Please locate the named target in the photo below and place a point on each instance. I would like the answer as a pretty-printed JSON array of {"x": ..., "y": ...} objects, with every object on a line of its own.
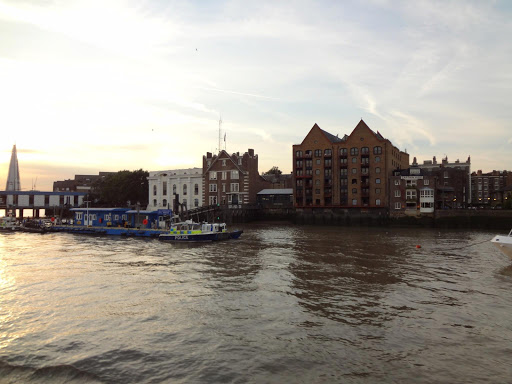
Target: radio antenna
[{"x": 220, "y": 125}]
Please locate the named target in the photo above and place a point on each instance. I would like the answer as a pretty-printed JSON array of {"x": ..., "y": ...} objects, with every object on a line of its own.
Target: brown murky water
[{"x": 283, "y": 304}]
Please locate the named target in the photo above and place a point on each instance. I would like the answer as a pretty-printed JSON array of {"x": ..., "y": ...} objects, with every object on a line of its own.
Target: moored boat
[
  {"x": 9, "y": 224},
  {"x": 34, "y": 227},
  {"x": 199, "y": 232},
  {"x": 504, "y": 243}
]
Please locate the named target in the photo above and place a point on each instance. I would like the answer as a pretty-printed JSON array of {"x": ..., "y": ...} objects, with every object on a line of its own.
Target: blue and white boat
[
  {"x": 199, "y": 232},
  {"x": 504, "y": 243}
]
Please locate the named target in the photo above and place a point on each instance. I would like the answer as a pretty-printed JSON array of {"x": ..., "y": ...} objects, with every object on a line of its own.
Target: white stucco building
[{"x": 184, "y": 184}]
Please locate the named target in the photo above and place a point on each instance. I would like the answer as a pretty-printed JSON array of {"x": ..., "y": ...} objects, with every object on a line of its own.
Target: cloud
[
  {"x": 29, "y": 151},
  {"x": 417, "y": 72},
  {"x": 238, "y": 93}
]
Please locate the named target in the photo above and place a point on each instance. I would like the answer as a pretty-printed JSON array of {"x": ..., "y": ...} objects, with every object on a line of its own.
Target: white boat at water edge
[
  {"x": 9, "y": 223},
  {"x": 504, "y": 243}
]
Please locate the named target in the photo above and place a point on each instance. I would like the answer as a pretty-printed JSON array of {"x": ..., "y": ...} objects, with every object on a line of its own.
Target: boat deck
[{"x": 112, "y": 231}]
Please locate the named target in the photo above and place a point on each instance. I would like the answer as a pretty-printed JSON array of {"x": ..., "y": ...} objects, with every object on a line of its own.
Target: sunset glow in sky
[{"x": 89, "y": 86}]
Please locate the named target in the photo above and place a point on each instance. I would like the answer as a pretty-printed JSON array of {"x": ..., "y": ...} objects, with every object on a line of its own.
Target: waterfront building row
[
  {"x": 418, "y": 191},
  {"x": 224, "y": 179}
]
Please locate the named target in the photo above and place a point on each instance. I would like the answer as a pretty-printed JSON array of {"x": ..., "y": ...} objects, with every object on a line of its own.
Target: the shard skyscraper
[{"x": 13, "y": 179}]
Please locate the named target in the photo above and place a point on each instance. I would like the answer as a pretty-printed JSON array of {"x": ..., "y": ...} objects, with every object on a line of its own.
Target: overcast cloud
[{"x": 142, "y": 84}]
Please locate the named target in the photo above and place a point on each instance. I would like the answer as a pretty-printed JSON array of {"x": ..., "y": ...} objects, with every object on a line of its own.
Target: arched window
[
  {"x": 164, "y": 203},
  {"x": 154, "y": 203}
]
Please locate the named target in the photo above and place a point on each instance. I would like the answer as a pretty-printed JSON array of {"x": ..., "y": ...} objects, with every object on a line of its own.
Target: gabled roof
[
  {"x": 362, "y": 125},
  {"x": 329, "y": 136},
  {"x": 218, "y": 157}
]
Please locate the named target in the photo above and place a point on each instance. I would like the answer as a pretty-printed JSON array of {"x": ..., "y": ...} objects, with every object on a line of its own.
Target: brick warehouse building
[
  {"x": 232, "y": 180},
  {"x": 352, "y": 171}
]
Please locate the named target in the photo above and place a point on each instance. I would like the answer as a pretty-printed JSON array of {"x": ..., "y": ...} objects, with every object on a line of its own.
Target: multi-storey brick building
[
  {"x": 352, "y": 171},
  {"x": 231, "y": 180},
  {"x": 489, "y": 188},
  {"x": 445, "y": 165},
  {"x": 419, "y": 190},
  {"x": 412, "y": 191}
]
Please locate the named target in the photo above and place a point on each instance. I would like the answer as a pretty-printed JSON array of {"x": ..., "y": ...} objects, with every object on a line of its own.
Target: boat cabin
[
  {"x": 122, "y": 217},
  {"x": 188, "y": 227}
]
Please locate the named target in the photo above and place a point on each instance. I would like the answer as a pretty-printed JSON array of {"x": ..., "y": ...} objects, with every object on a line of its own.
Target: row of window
[
  {"x": 174, "y": 189},
  {"x": 224, "y": 162},
  {"x": 343, "y": 151},
  {"x": 235, "y": 187},
  {"x": 411, "y": 193},
  {"x": 328, "y": 162},
  {"x": 224, "y": 175},
  {"x": 398, "y": 205},
  {"x": 107, "y": 217},
  {"x": 231, "y": 199},
  {"x": 412, "y": 182}
]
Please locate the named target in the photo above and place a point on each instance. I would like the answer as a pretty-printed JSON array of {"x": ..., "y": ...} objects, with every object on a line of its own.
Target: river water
[{"x": 284, "y": 304}]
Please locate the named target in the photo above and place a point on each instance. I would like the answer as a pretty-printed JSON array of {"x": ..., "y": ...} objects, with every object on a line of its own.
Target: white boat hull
[{"x": 504, "y": 244}]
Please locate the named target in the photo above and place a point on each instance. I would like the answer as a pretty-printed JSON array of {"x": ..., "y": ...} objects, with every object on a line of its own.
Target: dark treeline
[{"x": 121, "y": 189}]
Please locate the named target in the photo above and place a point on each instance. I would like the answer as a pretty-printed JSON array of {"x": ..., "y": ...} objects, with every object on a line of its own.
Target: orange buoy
[{"x": 418, "y": 246}]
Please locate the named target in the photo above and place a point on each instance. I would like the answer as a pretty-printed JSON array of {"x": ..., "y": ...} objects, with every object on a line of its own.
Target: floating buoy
[{"x": 418, "y": 246}]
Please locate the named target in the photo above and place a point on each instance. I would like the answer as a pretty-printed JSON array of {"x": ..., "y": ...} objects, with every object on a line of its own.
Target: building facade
[
  {"x": 352, "y": 171},
  {"x": 275, "y": 198},
  {"x": 420, "y": 191},
  {"x": 81, "y": 183},
  {"x": 445, "y": 165},
  {"x": 412, "y": 192},
  {"x": 231, "y": 180},
  {"x": 489, "y": 189},
  {"x": 184, "y": 186}
]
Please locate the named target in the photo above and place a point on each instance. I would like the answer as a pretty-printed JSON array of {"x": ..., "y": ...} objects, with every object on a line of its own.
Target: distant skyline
[{"x": 89, "y": 86}]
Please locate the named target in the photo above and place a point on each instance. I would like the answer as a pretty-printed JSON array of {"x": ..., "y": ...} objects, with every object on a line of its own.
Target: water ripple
[{"x": 283, "y": 304}]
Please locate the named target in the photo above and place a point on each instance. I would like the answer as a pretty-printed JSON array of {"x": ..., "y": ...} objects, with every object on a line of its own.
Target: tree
[
  {"x": 273, "y": 171},
  {"x": 121, "y": 189}
]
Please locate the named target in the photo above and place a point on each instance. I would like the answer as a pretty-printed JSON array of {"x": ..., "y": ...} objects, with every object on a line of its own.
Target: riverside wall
[{"x": 457, "y": 219}]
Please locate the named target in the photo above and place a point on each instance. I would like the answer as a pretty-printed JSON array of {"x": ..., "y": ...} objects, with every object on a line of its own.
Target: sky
[{"x": 89, "y": 86}]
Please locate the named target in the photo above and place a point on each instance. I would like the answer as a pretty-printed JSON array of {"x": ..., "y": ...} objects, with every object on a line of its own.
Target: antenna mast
[{"x": 220, "y": 124}]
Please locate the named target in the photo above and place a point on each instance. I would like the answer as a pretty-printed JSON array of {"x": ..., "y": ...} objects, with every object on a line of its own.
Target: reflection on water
[{"x": 283, "y": 304}]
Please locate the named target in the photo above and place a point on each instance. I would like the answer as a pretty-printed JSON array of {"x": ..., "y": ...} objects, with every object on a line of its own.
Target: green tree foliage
[
  {"x": 273, "y": 171},
  {"x": 121, "y": 189}
]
